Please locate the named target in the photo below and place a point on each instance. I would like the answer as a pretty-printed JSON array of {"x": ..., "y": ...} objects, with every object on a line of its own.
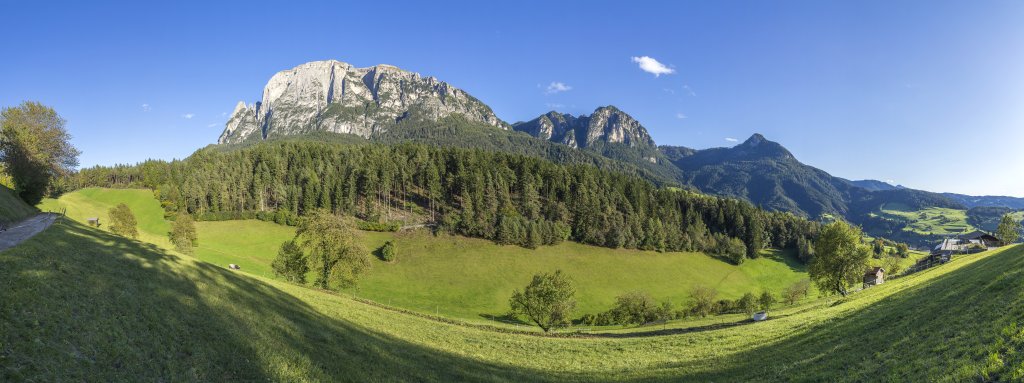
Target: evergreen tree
[
  {"x": 1008, "y": 230},
  {"x": 290, "y": 263}
]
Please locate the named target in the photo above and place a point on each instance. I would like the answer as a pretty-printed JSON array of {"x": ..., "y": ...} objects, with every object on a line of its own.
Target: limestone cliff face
[
  {"x": 334, "y": 96},
  {"x": 606, "y": 124}
]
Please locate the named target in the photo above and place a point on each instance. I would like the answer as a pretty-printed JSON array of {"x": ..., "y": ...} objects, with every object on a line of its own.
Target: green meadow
[
  {"x": 465, "y": 278},
  {"x": 80, "y": 304},
  {"x": 933, "y": 220}
]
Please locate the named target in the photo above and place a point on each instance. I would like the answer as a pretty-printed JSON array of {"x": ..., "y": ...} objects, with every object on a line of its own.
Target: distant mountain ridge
[
  {"x": 875, "y": 185},
  {"x": 987, "y": 201},
  {"x": 384, "y": 103}
]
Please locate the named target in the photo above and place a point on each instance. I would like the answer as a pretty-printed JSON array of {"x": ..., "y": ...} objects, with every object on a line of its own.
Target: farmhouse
[
  {"x": 963, "y": 244},
  {"x": 874, "y": 276},
  {"x": 981, "y": 238}
]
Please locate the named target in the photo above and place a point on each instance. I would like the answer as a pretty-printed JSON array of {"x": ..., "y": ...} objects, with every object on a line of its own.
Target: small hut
[
  {"x": 94, "y": 221},
  {"x": 874, "y": 276}
]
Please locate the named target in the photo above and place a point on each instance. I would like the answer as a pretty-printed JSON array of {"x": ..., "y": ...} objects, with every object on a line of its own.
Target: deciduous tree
[
  {"x": 122, "y": 221},
  {"x": 332, "y": 253},
  {"x": 839, "y": 260},
  {"x": 547, "y": 301},
  {"x": 35, "y": 148},
  {"x": 183, "y": 233}
]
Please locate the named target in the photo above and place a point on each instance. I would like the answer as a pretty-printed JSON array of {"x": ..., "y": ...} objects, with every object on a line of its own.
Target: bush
[
  {"x": 796, "y": 291},
  {"x": 766, "y": 301},
  {"x": 702, "y": 300},
  {"x": 634, "y": 308},
  {"x": 748, "y": 303},
  {"x": 387, "y": 252},
  {"x": 378, "y": 226}
]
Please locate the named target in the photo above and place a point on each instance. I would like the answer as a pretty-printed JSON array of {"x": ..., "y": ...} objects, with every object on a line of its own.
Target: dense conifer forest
[{"x": 509, "y": 198}]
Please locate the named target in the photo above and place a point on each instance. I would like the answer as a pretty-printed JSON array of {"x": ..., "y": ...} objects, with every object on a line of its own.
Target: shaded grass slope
[{"x": 12, "y": 208}]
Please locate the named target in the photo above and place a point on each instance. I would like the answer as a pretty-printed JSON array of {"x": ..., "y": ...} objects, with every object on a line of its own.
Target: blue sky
[{"x": 910, "y": 91}]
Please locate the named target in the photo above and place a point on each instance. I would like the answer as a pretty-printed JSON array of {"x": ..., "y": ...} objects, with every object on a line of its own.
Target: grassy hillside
[
  {"x": 933, "y": 220},
  {"x": 97, "y": 202},
  {"x": 79, "y": 304},
  {"x": 462, "y": 277},
  {"x": 12, "y": 208}
]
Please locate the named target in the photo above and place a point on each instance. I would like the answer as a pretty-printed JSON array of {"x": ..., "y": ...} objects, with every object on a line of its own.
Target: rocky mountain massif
[
  {"x": 333, "y": 96},
  {"x": 607, "y": 124}
]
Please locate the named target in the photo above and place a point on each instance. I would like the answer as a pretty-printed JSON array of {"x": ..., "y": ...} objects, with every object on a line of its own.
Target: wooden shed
[{"x": 874, "y": 276}]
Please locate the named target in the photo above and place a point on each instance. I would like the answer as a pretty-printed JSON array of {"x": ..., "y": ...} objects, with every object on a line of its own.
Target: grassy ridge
[
  {"x": 462, "y": 277},
  {"x": 12, "y": 208},
  {"x": 79, "y": 304}
]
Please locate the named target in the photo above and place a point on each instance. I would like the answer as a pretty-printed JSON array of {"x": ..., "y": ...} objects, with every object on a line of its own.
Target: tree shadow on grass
[{"x": 79, "y": 304}]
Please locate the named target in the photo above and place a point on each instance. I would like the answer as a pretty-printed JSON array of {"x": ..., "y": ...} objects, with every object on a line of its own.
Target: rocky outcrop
[
  {"x": 334, "y": 96},
  {"x": 607, "y": 124}
]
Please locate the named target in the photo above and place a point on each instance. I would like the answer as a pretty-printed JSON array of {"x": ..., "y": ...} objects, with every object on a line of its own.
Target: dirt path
[{"x": 25, "y": 229}]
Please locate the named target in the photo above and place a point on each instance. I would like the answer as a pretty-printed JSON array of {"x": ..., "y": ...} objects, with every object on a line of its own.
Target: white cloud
[
  {"x": 188, "y": 116},
  {"x": 890, "y": 182},
  {"x": 557, "y": 87},
  {"x": 555, "y": 106},
  {"x": 680, "y": 116},
  {"x": 689, "y": 91},
  {"x": 146, "y": 108},
  {"x": 214, "y": 125},
  {"x": 650, "y": 65},
  {"x": 730, "y": 139}
]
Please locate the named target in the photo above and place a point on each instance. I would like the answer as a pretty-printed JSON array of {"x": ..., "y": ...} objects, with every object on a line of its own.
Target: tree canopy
[
  {"x": 332, "y": 252},
  {"x": 183, "y": 233},
  {"x": 1008, "y": 230},
  {"x": 35, "y": 148},
  {"x": 839, "y": 259},
  {"x": 547, "y": 301},
  {"x": 122, "y": 221}
]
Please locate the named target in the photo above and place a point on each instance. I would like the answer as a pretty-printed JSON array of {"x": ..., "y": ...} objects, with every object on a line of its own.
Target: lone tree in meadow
[
  {"x": 547, "y": 301},
  {"x": 332, "y": 253},
  {"x": 122, "y": 221},
  {"x": 839, "y": 258},
  {"x": 183, "y": 233},
  {"x": 35, "y": 148},
  {"x": 1008, "y": 230},
  {"x": 291, "y": 263}
]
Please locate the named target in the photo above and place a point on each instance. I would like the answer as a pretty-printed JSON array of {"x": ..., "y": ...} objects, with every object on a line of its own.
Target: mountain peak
[
  {"x": 755, "y": 140},
  {"x": 759, "y": 147},
  {"x": 606, "y": 124}
]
